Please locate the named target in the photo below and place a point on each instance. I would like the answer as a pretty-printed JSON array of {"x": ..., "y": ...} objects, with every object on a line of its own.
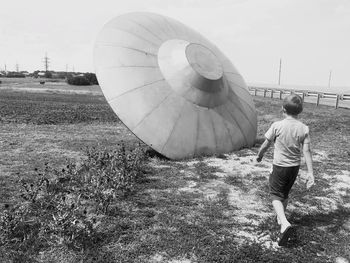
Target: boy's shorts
[{"x": 281, "y": 181}]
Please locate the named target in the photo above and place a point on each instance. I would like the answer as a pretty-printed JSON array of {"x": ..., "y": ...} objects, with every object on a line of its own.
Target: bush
[
  {"x": 61, "y": 75},
  {"x": 87, "y": 79},
  {"x": 91, "y": 77},
  {"x": 48, "y": 75},
  {"x": 78, "y": 81},
  {"x": 64, "y": 208}
]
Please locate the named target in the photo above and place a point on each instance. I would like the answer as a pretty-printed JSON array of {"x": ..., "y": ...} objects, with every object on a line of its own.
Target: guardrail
[{"x": 256, "y": 91}]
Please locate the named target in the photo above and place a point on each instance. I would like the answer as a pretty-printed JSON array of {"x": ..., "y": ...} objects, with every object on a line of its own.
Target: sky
[{"x": 312, "y": 37}]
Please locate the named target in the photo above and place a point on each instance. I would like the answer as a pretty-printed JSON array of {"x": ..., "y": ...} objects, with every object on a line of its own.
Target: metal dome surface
[{"x": 173, "y": 88}]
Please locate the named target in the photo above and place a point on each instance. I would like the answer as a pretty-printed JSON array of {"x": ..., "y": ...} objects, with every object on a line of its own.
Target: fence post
[
  {"x": 271, "y": 93},
  {"x": 280, "y": 94},
  {"x": 318, "y": 99},
  {"x": 255, "y": 91},
  {"x": 337, "y": 102},
  {"x": 303, "y": 97},
  {"x": 264, "y": 93}
]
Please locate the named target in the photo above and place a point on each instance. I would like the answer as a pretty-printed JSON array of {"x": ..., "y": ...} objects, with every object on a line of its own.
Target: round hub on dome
[
  {"x": 193, "y": 71},
  {"x": 203, "y": 61}
]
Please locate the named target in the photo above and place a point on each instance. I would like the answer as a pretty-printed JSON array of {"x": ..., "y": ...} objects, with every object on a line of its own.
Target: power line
[{"x": 46, "y": 62}]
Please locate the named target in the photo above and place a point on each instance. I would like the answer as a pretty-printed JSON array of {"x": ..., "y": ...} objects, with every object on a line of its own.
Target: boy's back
[{"x": 289, "y": 135}]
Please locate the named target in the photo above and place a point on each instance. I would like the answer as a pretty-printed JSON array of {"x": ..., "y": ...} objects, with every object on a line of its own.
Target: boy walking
[{"x": 290, "y": 137}]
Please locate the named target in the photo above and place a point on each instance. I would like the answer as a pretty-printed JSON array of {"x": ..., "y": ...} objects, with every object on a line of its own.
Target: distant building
[
  {"x": 25, "y": 73},
  {"x": 41, "y": 74}
]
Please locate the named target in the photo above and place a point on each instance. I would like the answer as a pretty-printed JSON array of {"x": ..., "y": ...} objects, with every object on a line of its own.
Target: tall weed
[{"x": 65, "y": 207}]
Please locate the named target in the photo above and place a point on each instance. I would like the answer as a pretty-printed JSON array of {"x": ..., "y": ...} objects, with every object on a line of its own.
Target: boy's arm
[
  {"x": 263, "y": 149},
  {"x": 308, "y": 160},
  {"x": 269, "y": 137}
]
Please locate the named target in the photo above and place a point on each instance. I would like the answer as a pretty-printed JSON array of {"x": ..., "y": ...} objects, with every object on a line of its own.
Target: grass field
[{"x": 213, "y": 209}]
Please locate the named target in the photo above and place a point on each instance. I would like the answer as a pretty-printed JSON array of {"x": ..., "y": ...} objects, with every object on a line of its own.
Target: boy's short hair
[{"x": 293, "y": 104}]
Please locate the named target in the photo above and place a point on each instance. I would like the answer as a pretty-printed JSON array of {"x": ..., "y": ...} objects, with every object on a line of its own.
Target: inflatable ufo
[{"x": 173, "y": 88}]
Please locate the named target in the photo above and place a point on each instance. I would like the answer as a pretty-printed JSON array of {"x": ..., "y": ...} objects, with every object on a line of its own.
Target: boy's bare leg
[
  {"x": 285, "y": 203},
  {"x": 279, "y": 209}
]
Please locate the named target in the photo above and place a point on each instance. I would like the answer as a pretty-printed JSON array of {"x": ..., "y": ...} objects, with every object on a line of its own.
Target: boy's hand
[
  {"x": 310, "y": 180},
  {"x": 258, "y": 159}
]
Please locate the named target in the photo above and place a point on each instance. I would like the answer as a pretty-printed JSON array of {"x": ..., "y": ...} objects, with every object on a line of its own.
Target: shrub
[
  {"x": 86, "y": 79},
  {"x": 91, "y": 77},
  {"x": 78, "y": 81},
  {"x": 61, "y": 75},
  {"x": 48, "y": 75}
]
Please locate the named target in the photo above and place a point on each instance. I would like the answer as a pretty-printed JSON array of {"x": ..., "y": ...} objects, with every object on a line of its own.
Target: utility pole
[
  {"x": 46, "y": 62},
  {"x": 66, "y": 71},
  {"x": 329, "y": 79},
  {"x": 279, "y": 73},
  {"x": 5, "y": 69},
  {"x": 17, "y": 67}
]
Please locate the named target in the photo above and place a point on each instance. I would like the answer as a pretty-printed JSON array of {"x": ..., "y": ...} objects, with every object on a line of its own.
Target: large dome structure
[{"x": 172, "y": 88}]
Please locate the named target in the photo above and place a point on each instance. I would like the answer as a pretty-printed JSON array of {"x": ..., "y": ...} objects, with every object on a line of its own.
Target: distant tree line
[
  {"x": 49, "y": 74},
  {"x": 72, "y": 78},
  {"x": 14, "y": 74}
]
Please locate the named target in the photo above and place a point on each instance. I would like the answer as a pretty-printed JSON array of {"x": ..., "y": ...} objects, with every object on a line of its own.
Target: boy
[{"x": 289, "y": 137}]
